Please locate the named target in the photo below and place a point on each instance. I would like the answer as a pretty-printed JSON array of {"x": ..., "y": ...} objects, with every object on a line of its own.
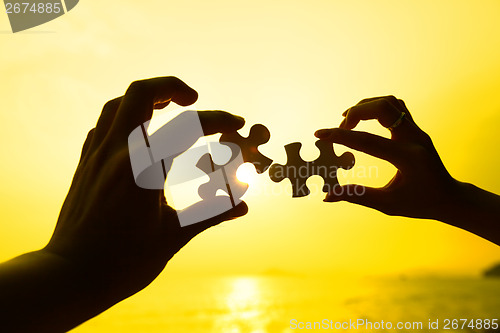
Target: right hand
[{"x": 421, "y": 188}]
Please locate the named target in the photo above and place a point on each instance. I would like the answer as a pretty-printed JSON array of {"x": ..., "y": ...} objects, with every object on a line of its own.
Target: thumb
[
  {"x": 357, "y": 194},
  {"x": 196, "y": 228}
]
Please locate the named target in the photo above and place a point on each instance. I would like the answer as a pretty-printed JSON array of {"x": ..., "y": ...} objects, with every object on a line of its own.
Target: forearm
[
  {"x": 475, "y": 210},
  {"x": 43, "y": 292}
]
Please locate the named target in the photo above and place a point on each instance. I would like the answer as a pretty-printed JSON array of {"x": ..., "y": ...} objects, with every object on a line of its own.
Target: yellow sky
[{"x": 291, "y": 65}]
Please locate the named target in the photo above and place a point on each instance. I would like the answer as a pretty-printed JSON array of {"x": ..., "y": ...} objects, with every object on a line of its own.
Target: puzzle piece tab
[
  {"x": 258, "y": 135},
  {"x": 222, "y": 177},
  {"x": 298, "y": 170}
]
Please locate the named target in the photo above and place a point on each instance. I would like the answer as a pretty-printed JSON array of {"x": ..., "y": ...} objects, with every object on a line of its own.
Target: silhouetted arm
[
  {"x": 112, "y": 237},
  {"x": 422, "y": 187},
  {"x": 473, "y": 209},
  {"x": 43, "y": 292}
]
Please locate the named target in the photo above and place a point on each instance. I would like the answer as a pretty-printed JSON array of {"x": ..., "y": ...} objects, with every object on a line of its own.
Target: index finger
[
  {"x": 368, "y": 143},
  {"x": 141, "y": 97},
  {"x": 379, "y": 108},
  {"x": 219, "y": 122}
]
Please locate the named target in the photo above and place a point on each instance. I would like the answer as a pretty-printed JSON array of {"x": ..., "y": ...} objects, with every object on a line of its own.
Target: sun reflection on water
[
  {"x": 245, "y": 307},
  {"x": 244, "y": 296}
]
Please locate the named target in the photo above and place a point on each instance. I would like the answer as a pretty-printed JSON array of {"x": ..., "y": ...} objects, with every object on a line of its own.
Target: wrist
[
  {"x": 42, "y": 285},
  {"x": 85, "y": 279},
  {"x": 105, "y": 280},
  {"x": 473, "y": 209},
  {"x": 456, "y": 206}
]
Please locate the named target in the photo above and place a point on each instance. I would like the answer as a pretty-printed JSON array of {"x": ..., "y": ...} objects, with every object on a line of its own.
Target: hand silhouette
[
  {"x": 422, "y": 187},
  {"x": 112, "y": 237}
]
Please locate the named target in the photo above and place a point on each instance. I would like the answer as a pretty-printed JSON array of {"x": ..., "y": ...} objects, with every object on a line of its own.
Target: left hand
[{"x": 120, "y": 235}]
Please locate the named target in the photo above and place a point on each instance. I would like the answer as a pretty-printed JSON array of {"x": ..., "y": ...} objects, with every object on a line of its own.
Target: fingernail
[
  {"x": 345, "y": 112},
  {"x": 322, "y": 133}
]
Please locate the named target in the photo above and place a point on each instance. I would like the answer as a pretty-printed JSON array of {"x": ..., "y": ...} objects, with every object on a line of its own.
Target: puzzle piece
[
  {"x": 222, "y": 177},
  {"x": 298, "y": 170},
  {"x": 258, "y": 135}
]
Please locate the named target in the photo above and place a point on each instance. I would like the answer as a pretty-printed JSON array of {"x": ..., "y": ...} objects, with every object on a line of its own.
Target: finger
[
  {"x": 366, "y": 100},
  {"x": 371, "y": 144},
  {"x": 160, "y": 106},
  {"x": 390, "y": 98},
  {"x": 86, "y": 145},
  {"x": 397, "y": 103},
  {"x": 219, "y": 122},
  {"x": 405, "y": 109},
  {"x": 342, "y": 124},
  {"x": 142, "y": 96},
  {"x": 106, "y": 118},
  {"x": 381, "y": 109},
  {"x": 179, "y": 134},
  {"x": 386, "y": 114},
  {"x": 358, "y": 194},
  {"x": 237, "y": 211}
]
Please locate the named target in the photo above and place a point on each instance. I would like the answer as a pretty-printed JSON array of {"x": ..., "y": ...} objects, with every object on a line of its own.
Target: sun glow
[
  {"x": 243, "y": 298},
  {"x": 294, "y": 67},
  {"x": 246, "y": 173}
]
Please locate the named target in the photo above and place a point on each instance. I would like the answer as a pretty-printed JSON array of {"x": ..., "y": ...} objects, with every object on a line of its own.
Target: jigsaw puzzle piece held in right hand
[{"x": 298, "y": 170}]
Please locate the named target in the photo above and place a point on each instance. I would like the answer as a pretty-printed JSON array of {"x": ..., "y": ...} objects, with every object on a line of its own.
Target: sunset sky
[{"x": 294, "y": 66}]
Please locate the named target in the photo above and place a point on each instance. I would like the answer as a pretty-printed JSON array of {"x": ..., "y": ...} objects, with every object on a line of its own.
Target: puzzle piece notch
[
  {"x": 258, "y": 135},
  {"x": 222, "y": 177},
  {"x": 298, "y": 170}
]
